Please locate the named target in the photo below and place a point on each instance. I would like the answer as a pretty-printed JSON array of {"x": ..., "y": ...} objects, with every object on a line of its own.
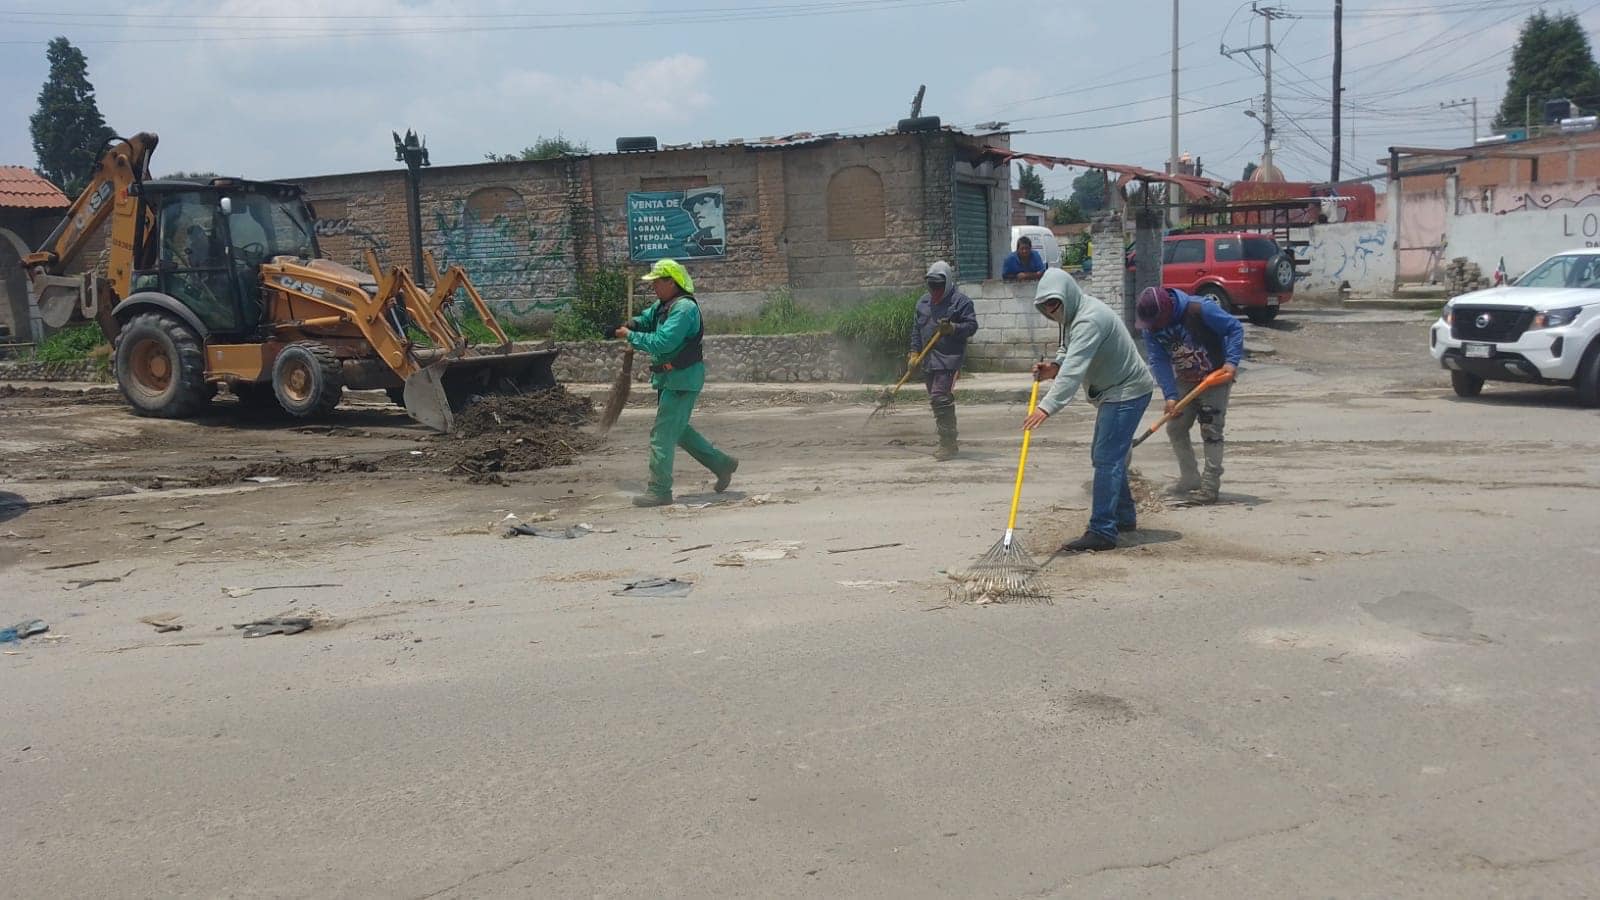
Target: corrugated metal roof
[{"x": 23, "y": 188}]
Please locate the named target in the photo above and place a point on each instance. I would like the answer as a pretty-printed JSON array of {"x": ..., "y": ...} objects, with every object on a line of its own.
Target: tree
[
  {"x": 1089, "y": 191},
  {"x": 1552, "y": 60},
  {"x": 1032, "y": 185},
  {"x": 69, "y": 134},
  {"x": 543, "y": 148},
  {"x": 1066, "y": 212}
]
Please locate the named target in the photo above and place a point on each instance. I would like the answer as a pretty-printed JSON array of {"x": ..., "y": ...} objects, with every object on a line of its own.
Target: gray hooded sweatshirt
[
  {"x": 951, "y": 350},
  {"x": 1096, "y": 349}
]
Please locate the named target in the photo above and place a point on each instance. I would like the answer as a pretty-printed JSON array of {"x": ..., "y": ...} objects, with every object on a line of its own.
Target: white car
[{"x": 1543, "y": 328}]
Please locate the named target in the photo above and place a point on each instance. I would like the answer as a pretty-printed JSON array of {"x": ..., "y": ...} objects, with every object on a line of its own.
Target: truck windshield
[
  {"x": 266, "y": 226},
  {"x": 1570, "y": 271}
]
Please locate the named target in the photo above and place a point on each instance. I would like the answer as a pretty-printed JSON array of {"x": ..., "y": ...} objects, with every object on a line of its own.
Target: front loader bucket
[{"x": 443, "y": 388}]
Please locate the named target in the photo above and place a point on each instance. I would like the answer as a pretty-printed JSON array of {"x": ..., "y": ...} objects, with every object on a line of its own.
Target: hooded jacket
[
  {"x": 951, "y": 350},
  {"x": 1096, "y": 350},
  {"x": 1178, "y": 353}
]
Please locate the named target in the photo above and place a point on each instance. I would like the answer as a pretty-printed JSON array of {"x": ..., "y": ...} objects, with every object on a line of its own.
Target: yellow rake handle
[
  {"x": 914, "y": 363},
  {"x": 1022, "y": 461}
]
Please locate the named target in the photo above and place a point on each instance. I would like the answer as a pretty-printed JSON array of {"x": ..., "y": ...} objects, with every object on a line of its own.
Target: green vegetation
[
  {"x": 879, "y": 328},
  {"x": 779, "y": 314},
  {"x": 602, "y": 301},
  {"x": 1552, "y": 59},
  {"x": 71, "y": 344},
  {"x": 543, "y": 148},
  {"x": 69, "y": 133}
]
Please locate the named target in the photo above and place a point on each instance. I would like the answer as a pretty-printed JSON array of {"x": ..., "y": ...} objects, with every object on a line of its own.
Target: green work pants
[{"x": 672, "y": 430}]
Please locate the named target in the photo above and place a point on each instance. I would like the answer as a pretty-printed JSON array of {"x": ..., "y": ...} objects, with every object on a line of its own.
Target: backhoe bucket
[{"x": 443, "y": 388}]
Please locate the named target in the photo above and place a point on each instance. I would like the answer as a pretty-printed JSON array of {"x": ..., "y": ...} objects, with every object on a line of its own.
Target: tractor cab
[{"x": 207, "y": 242}]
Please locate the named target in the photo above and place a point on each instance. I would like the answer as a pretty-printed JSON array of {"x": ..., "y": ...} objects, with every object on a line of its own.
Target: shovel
[{"x": 1216, "y": 378}]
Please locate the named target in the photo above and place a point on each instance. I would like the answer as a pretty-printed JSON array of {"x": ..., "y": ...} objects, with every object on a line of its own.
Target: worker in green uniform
[{"x": 671, "y": 333}]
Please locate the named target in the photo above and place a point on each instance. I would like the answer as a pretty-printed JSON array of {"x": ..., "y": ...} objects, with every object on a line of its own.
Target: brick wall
[{"x": 1105, "y": 281}]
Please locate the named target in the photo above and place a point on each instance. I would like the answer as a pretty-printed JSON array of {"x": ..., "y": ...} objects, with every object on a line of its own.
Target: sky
[{"x": 286, "y": 88}]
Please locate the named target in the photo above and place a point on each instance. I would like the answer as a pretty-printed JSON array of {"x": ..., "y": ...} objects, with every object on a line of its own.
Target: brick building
[
  {"x": 831, "y": 217},
  {"x": 30, "y": 208}
]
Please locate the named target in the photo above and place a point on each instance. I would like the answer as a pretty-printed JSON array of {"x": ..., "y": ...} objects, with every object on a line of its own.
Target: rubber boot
[{"x": 944, "y": 416}]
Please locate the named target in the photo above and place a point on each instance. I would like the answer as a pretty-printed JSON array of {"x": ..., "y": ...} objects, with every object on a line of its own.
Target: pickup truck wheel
[
  {"x": 307, "y": 380},
  {"x": 161, "y": 368},
  {"x": 1466, "y": 384},
  {"x": 1221, "y": 296},
  {"x": 1588, "y": 380}
]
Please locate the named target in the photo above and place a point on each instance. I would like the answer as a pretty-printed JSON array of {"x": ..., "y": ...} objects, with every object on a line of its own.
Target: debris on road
[
  {"x": 78, "y": 584},
  {"x": 655, "y": 587},
  {"x": 762, "y": 553},
  {"x": 71, "y": 565},
  {"x": 237, "y": 592},
  {"x": 163, "y": 622},
  {"x": 559, "y": 534},
  {"x": 872, "y": 547},
  {"x": 869, "y": 584},
  {"x": 23, "y": 630},
  {"x": 276, "y": 625}
]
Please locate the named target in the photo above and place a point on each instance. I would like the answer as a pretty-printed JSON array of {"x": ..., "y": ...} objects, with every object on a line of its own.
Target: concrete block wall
[{"x": 1012, "y": 335}]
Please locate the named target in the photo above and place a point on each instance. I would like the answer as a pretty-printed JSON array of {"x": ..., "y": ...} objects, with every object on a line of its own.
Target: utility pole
[
  {"x": 1172, "y": 156},
  {"x": 1457, "y": 104},
  {"x": 413, "y": 151},
  {"x": 1338, "y": 77},
  {"x": 1267, "y": 13}
]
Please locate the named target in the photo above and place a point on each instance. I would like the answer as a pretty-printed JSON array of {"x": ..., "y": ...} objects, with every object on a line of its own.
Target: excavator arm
[{"x": 111, "y": 192}]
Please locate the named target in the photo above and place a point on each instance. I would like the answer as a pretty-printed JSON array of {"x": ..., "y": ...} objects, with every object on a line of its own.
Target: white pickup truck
[{"x": 1543, "y": 328}]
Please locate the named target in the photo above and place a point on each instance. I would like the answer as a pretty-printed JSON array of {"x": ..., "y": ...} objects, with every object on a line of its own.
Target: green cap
[{"x": 671, "y": 268}]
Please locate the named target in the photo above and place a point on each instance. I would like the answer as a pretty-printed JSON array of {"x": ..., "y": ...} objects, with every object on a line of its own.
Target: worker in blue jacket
[{"x": 1188, "y": 338}]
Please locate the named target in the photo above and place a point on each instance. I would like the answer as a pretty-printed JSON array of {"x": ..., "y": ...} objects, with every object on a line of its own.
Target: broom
[
  {"x": 624, "y": 383},
  {"x": 1006, "y": 572}
]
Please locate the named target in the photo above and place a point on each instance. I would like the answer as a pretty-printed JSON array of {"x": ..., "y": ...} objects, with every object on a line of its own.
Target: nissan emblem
[{"x": 1483, "y": 320}]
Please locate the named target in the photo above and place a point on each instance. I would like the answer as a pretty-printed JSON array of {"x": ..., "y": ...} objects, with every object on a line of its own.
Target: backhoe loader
[{"x": 221, "y": 282}]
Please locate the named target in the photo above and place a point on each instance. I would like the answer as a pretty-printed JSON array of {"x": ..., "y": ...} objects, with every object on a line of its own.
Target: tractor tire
[
  {"x": 1280, "y": 274},
  {"x": 307, "y": 380},
  {"x": 161, "y": 367},
  {"x": 1588, "y": 380},
  {"x": 1261, "y": 315},
  {"x": 1221, "y": 296},
  {"x": 1466, "y": 384}
]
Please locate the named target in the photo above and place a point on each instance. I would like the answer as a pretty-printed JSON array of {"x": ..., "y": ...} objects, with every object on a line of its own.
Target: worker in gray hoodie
[
  {"x": 1099, "y": 354},
  {"x": 946, "y": 312}
]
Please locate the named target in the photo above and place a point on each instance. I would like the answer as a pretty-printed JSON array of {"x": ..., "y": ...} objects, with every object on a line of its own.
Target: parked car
[
  {"x": 1246, "y": 272},
  {"x": 1543, "y": 328}
]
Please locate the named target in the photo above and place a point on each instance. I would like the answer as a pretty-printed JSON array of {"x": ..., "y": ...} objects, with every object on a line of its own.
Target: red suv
[{"x": 1247, "y": 273}]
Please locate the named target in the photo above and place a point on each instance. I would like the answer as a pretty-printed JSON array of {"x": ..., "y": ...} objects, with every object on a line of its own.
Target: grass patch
[
  {"x": 71, "y": 344},
  {"x": 778, "y": 314},
  {"x": 879, "y": 329}
]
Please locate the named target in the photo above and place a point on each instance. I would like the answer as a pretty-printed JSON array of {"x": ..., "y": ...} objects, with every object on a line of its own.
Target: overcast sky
[{"x": 295, "y": 87}]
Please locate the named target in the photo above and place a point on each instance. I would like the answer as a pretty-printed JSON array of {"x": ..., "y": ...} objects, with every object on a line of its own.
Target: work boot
[
  {"x": 1090, "y": 542},
  {"x": 944, "y": 417},
  {"x": 726, "y": 478},
  {"x": 648, "y": 499},
  {"x": 1205, "y": 495},
  {"x": 1181, "y": 489}
]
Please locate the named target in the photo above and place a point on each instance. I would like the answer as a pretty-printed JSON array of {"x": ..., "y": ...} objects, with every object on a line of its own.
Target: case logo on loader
[{"x": 304, "y": 287}]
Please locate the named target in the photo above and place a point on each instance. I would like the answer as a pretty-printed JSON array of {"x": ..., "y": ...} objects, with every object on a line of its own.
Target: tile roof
[{"x": 22, "y": 188}]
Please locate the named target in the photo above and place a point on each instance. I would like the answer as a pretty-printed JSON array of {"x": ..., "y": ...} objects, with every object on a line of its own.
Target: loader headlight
[{"x": 1556, "y": 318}]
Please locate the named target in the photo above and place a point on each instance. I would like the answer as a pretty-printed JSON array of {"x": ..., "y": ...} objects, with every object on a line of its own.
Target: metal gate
[{"x": 972, "y": 231}]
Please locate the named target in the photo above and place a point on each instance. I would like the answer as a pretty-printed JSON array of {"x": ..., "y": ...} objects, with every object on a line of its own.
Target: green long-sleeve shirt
[{"x": 663, "y": 339}]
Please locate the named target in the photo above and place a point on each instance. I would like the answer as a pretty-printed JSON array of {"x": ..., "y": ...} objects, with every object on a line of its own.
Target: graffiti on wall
[
  {"x": 1567, "y": 195},
  {"x": 508, "y": 257},
  {"x": 360, "y": 239},
  {"x": 1357, "y": 254}
]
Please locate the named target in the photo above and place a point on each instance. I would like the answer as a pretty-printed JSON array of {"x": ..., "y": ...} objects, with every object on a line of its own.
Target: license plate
[
  {"x": 1478, "y": 351},
  {"x": 1272, "y": 301}
]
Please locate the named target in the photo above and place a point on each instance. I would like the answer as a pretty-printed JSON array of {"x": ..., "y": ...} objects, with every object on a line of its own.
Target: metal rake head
[{"x": 1005, "y": 573}]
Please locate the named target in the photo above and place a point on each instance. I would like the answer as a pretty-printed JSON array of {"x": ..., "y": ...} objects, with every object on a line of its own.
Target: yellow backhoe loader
[{"x": 221, "y": 282}]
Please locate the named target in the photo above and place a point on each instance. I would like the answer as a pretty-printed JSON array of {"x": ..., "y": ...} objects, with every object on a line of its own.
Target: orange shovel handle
[{"x": 1219, "y": 377}]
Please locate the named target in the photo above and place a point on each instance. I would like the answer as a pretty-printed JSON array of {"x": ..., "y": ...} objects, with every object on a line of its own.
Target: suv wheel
[
  {"x": 1588, "y": 380},
  {"x": 1221, "y": 296},
  {"x": 1466, "y": 384},
  {"x": 1280, "y": 273}
]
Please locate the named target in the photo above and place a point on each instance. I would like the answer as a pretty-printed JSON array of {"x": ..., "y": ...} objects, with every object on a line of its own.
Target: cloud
[{"x": 660, "y": 91}]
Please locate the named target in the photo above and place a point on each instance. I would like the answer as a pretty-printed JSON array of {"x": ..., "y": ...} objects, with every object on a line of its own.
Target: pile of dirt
[
  {"x": 495, "y": 435},
  {"x": 555, "y": 407},
  {"x": 90, "y": 397},
  {"x": 288, "y": 470}
]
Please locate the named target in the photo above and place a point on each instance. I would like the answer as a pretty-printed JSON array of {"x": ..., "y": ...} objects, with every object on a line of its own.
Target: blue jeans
[{"x": 1113, "y": 506}]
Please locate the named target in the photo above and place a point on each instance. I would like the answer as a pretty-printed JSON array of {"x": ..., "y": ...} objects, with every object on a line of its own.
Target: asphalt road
[{"x": 1371, "y": 672}]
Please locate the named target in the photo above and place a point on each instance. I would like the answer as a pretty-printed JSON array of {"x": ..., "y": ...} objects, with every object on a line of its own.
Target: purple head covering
[{"x": 1154, "y": 309}]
